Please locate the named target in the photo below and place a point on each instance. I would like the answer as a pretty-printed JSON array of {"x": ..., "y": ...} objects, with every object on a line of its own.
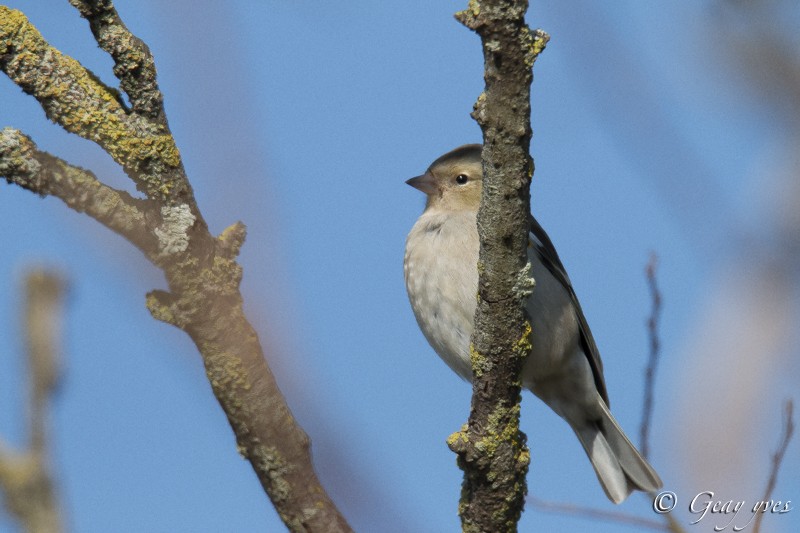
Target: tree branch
[
  {"x": 78, "y": 101},
  {"x": 25, "y": 477},
  {"x": 491, "y": 449},
  {"x": 133, "y": 63},
  {"x": 652, "y": 361},
  {"x": 777, "y": 460},
  {"x": 201, "y": 271},
  {"x": 21, "y": 163}
]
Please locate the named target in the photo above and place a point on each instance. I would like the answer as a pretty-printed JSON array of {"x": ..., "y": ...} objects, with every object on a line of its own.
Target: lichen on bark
[
  {"x": 202, "y": 274},
  {"x": 491, "y": 449}
]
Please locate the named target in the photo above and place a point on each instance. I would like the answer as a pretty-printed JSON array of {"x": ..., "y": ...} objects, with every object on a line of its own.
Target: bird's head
[{"x": 453, "y": 182}]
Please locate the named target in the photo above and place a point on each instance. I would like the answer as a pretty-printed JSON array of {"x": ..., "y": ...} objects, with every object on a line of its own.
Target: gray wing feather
[{"x": 552, "y": 262}]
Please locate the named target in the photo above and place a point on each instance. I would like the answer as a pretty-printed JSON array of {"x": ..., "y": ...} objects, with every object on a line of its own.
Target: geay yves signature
[{"x": 735, "y": 514}]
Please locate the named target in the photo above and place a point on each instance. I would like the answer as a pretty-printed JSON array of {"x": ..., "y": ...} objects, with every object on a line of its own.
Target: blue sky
[{"x": 304, "y": 120}]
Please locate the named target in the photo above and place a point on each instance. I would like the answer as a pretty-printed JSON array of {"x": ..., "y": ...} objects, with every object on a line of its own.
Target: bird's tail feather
[
  {"x": 618, "y": 465},
  {"x": 606, "y": 466},
  {"x": 636, "y": 467}
]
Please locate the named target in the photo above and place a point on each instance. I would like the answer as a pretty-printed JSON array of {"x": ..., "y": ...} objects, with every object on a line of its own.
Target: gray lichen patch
[
  {"x": 15, "y": 157},
  {"x": 172, "y": 233}
]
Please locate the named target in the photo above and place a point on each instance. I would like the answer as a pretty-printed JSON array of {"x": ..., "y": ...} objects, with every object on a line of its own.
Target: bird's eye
[{"x": 462, "y": 179}]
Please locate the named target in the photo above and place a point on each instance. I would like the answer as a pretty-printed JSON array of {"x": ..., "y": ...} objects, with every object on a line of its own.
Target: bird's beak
[{"x": 425, "y": 183}]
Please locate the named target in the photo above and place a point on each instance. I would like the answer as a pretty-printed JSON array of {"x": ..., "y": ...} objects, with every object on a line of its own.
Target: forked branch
[{"x": 167, "y": 226}]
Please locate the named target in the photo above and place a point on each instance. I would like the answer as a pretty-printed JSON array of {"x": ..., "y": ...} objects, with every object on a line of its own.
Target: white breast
[{"x": 442, "y": 282}]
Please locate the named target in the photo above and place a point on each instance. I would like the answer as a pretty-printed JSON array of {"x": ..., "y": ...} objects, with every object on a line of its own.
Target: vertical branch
[
  {"x": 650, "y": 374},
  {"x": 25, "y": 477},
  {"x": 652, "y": 362},
  {"x": 491, "y": 449},
  {"x": 44, "y": 293}
]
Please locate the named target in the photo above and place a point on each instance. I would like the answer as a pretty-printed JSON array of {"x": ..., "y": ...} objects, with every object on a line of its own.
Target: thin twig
[
  {"x": 777, "y": 458},
  {"x": 652, "y": 362},
  {"x": 650, "y": 375},
  {"x": 596, "y": 514}
]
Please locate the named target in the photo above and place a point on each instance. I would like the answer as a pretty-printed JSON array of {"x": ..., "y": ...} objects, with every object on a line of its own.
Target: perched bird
[{"x": 563, "y": 368}]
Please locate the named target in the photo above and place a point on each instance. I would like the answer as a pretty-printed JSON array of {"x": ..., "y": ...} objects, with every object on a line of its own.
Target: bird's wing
[{"x": 544, "y": 246}]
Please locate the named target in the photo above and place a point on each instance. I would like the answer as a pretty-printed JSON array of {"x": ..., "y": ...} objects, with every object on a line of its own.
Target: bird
[{"x": 563, "y": 367}]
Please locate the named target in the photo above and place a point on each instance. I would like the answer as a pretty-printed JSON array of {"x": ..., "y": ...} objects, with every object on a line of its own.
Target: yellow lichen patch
[
  {"x": 458, "y": 439},
  {"x": 524, "y": 346},
  {"x": 234, "y": 231},
  {"x": 535, "y": 42},
  {"x": 160, "y": 311},
  {"x": 472, "y": 11},
  {"x": 130, "y": 149},
  {"x": 524, "y": 457},
  {"x": 11, "y": 22},
  {"x": 227, "y": 375},
  {"x": 270, "y": 459},
  {"x": 539, "y": 43},
  {"x": 169, "y": 151},
  {"x": 231, "y": 239},
  {"x": 225, "y": 276},
  {"x": 503, "y": 426},
  {"x": 480, "y": 363},
  {"x": 76, "y": 99}
]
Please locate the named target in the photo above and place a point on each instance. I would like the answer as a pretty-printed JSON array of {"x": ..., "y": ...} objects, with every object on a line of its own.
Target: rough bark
[
  {"x": 491, "y": 448},
  {"x": 201, "y": 270}
]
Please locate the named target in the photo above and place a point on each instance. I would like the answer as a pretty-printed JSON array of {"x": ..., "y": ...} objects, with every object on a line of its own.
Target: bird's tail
[{"x": 620, "y": 468}]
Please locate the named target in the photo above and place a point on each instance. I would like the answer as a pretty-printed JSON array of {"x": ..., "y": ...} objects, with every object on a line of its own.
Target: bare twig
[
  {"x": 25, "y": 477},
  {"x": 777, "y": 459},
  {"x": 616, "y": 517},
  {"x": 652, "y": 362},
  {"x": 201, "y": 271},
  {"x": 670, "y": 523},
  {"x": 650, "y": 375}
]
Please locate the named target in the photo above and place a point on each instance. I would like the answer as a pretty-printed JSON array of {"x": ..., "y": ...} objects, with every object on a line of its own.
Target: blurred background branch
[
  {"x": 744, "y": 340},
  {"x": 588, "y": 513},
  {"x": 652, "y": 362},
  {"x": 26, "y": 476},
  {"x": 768, "y": 504}
]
